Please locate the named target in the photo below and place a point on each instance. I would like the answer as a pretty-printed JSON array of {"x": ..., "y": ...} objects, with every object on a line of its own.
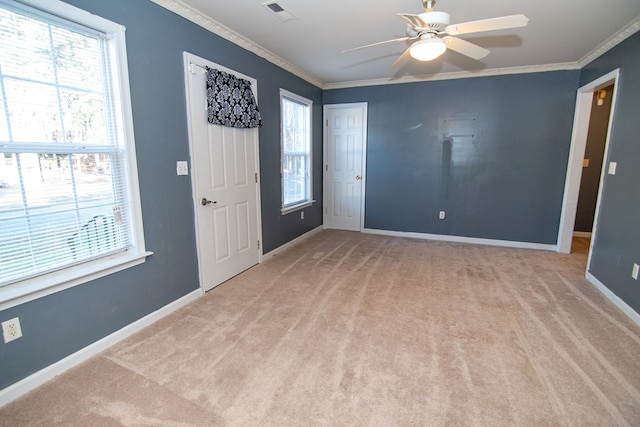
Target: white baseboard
[
  {"x": 615, "y": 299},
  {"x": 582, "y": 234},
  {"x": 292, "y": 243},
  {"x": 22, "y": 387},
  {"x": 459, "y": 239}
]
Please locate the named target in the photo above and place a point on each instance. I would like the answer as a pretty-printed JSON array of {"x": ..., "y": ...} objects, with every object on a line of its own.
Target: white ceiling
[{"x": 561, "y": 34}]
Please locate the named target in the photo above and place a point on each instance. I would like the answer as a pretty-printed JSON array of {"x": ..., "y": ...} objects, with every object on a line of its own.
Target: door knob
[
  {"x": 205, "y": 202},
  {"x": 358, "y": 177}
]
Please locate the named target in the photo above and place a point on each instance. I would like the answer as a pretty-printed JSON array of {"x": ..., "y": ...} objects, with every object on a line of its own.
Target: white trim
[
  {"x": 582, "y": 234},
  {"x": 40, "y": 286},
  {"x": 576, "y": 155},
  {"x": 74, "y": 14},
  {"x": 295, "y": 98},
  {"x": 460, "y": 239},
  {"x": 199, "y": 18},
  {"x": 291, "y": 243},
  {"x": 454, "y": 75},
  {"x": 25, "y": 385},
  {"x": 616, "y": 300},
  {"x": 626, "y": 32},
  {"x": 299, "y": 206}
]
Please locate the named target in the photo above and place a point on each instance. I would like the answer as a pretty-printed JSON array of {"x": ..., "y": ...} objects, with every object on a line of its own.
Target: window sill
[
  {"x": 38, "y": 287},
  {"x": 297, "y": 207}
]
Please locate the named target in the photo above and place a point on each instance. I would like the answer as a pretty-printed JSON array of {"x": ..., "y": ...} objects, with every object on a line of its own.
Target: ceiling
[{"x": 560, "y": 35}]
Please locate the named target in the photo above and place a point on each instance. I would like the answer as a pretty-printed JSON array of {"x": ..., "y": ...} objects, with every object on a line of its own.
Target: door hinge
[
  {"x": 256, "y": 177},
  {"x": 258, "y": 244}
]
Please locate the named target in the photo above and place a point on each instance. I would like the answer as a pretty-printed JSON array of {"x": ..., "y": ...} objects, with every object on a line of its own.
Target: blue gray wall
[
  {"x": 498, "y": 171},
  {"x": 60, "y": 324},
  {"x": 617, "y": 243}
]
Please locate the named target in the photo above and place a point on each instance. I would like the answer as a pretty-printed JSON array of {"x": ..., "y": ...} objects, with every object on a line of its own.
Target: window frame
[
  {"x": 285, "y": 209},
  {"x": 49, "y": 283}
]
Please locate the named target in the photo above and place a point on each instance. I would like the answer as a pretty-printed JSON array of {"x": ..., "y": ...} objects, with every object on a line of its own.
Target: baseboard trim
[
  {"x": 459, "y": 239},
  {"x": 615, "y": 299},
  {"x": 291, "y": 244},
  {"x": 582, "y": 234},
  {"x": 25, "y": 385}
]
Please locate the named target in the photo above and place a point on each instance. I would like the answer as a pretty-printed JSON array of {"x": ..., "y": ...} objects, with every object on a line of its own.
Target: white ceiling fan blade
[
  {"x": 501, "y": 23},
  {"x": 466, "y": 48},
  {"x": 414, "y": 21},
  {"x": 402, "y": 59},
  {"x": 401, "y": 39}
]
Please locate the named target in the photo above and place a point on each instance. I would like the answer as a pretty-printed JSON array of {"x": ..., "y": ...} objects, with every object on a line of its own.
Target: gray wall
[
  {"x": 617, "y": 243},
  {"x": 60, "y": 324},
  {"x": 501, "y": 178}
]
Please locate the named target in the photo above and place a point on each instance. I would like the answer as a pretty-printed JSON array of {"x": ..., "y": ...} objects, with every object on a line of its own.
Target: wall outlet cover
[{"x": 11, "y": 329}]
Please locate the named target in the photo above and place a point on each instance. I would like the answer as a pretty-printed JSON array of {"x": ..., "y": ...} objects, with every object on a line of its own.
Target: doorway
[
  {"x": 224, "y": 174},
  {"x": 592, "y": 163},
  {"x": 345, "y": 151},
  {"x": 576, "y": 162}
]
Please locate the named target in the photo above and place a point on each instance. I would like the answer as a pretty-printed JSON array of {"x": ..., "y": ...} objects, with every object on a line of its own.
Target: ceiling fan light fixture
[{"x": 427, "y": 49}]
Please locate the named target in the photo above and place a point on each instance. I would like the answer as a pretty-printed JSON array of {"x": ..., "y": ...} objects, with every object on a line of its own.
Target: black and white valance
[{"x": 230, "y": 101}]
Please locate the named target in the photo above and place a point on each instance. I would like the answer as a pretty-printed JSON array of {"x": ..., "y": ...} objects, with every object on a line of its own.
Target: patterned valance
[{"x": 230, "y": 101}]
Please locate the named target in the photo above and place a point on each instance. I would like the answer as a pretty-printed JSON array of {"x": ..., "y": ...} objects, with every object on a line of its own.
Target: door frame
[
  {"x": 581, "y": 120},
  {"x": 192, "y": 62},
  {"x": 364, "y": 106}
]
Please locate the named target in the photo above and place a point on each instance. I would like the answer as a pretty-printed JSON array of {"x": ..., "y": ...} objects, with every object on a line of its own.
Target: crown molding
[
  {"x": 455, "y": 75},
  {"x": 198, "y": 18},
  {"x": 611, "y": 42}
]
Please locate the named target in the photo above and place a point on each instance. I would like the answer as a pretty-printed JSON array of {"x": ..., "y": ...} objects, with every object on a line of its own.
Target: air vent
[{"x": 278, "y": 10}]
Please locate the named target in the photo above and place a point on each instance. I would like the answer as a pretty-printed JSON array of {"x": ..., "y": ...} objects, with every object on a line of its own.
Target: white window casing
[
  {"x": 296, "y": 152},
  {"x": 69, "y": 196}
]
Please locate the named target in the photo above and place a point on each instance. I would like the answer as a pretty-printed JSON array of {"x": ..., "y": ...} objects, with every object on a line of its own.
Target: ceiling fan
[{"x": 433, "y": 34}]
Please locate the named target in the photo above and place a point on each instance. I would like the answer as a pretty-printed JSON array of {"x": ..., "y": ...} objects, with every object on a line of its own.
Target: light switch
[
  {"x": 612, "y": 168},
  {"x": 182, "y": 168}
]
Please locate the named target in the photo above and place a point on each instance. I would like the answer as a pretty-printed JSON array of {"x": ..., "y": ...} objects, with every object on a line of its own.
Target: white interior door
[
  {"x": 224, "y": 164},
  {"x": 345, "y": 156}
]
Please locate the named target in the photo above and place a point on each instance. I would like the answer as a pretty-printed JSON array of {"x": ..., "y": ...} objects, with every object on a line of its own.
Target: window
[
  {"x": 296, "y": 151},
  {"x": 69, "y": 202}
]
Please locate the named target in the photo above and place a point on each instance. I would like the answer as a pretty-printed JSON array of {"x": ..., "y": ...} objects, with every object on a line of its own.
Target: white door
[
  {"x": 345, "y": 156},
  {"x": 225, "y": 173}
]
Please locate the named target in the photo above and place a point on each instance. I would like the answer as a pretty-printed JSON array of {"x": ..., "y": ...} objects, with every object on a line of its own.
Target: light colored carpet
[{"x": 349, "y": 329}]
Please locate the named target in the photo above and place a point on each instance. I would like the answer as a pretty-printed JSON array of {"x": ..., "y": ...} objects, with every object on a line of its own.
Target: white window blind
[
  {"x": 296, "y": 150},
  {"x": 63, "y": 163}
]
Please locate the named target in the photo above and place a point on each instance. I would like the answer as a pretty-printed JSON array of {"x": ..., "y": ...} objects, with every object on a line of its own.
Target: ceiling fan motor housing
[{"x": 437, "y": 21}]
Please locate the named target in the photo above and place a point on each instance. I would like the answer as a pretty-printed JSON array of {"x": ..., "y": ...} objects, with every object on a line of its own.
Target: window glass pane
[
  {"x": 26, "y": 47},
  {"x": 58, "y": 208},
  {"x": 296, "y": 141},
  {"x": 76, "y": 56},
  {"x": 84, "y": 118},
  {"x": 33, "y": 111}
]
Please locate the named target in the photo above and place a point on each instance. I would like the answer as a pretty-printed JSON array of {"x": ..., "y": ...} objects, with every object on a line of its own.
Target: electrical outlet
[
  {"x": 442, "y": 214},
  {"x": 634, "y": 271},
  {"x": 11, "y": 330}
]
